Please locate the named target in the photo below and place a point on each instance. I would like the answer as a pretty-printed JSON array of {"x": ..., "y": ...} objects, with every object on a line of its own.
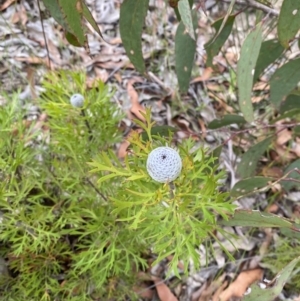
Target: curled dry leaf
[
  {"x": 6, "y": 4},
  {"x": 207, "y": 72},
  {"x": 283, "y": 137},
  {"x": 34, "y": 60},
  {"x": 239, "y": 286},
  {"x": 122, "y": 151},
  {"x": 20, "y": 16},
  {"x": 136, "y": 107},
  {"x": 163, "y": 291}
]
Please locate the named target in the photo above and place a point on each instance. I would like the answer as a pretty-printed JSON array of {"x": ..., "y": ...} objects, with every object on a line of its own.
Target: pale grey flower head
[
  {"x": 164, "y": 164},
  {"x": 77, "y": 100}
]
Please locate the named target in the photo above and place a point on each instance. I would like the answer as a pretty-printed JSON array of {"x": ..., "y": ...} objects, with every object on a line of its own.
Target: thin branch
[
  {"x": 44, "y": 35},
  {"x": 256, "y": 5},
  {"x": 97, "y": 190}
]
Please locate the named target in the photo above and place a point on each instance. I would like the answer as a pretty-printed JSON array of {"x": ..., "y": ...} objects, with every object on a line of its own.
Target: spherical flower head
[
  {"x": 164, "y": 164},
  {"x": 77, "y": 100}
]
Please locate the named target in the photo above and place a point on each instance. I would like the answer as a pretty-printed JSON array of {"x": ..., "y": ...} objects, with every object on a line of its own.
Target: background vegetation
[{"x": 81, "y": 221}]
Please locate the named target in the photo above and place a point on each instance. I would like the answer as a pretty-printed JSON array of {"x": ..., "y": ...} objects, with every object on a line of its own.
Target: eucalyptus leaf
[
  {"x": 226, "y": 120},
  {"x": 57, "y": 13},
  {"x": 288, "y": 22},
  {"x": 292, "y": 102},
  {"x": 245, "y": 70},
  {"x": 214, "y": 45},
  {"x": 186, "y": 17},
  {"x": 249, "y": 185},
  {"x": 289, "y": 184},
  {"x": 73, "y": 12},
  {"x": 185, "y": 48},
  {"x": 269, "y": 52},
  {"x": 284, "y": 80},
  {"x": 246, "y": 168},
  {"x": 255, "y": 218},
  {"x": 270, "y": 293},
  {"x": 132, "y": 18}
]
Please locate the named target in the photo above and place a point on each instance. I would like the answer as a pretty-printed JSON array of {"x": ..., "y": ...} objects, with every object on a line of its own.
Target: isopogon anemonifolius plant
[
  {"x": 77, "y": 100},
  {"x": 164, "y": 164}
]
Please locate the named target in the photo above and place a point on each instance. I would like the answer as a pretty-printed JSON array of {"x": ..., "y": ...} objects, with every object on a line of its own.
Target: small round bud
[
  {"x": 77, "y": 100},
  {"x": 164, "y": 164}
]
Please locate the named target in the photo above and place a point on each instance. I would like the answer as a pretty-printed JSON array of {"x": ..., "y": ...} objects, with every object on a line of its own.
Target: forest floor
[{"x": 212, "y": 93}]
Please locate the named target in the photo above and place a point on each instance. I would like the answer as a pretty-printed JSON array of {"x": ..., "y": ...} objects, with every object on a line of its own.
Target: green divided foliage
[
  {"x": 56, "y": 233},
  {"x": 74, "y": 218},
  {"x": 126, "y": 200},
  {"x": 280, "y": 256},
  {"x": 245, "y": 71},
  {"x": 170, "y": 220}
]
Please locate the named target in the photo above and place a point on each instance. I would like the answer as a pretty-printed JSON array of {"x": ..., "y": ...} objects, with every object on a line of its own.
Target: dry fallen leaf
[
  {"x": 163, "y": 291},
  {"x": 33, "y": 60},
  {"x": 216, "y": 296},
  {"x": 283, "y": 137},
  {"x": 136, "y": 107},
  {"x": 205, "y": 75},
  {"x": 239, "y": 286},
  {"x": 122, "y": 151},
  {"x": 20, "y": 16},
  {"x": 6, "y": 4}
]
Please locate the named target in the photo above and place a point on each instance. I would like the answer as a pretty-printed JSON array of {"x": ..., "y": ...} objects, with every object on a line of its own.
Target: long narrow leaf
[
  {"x": 245, "y": 71},
  {"x": 132, "y": 16}
]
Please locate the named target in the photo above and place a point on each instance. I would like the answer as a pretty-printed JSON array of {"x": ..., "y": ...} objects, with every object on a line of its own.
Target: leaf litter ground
[{"x": 211, "y": 94}]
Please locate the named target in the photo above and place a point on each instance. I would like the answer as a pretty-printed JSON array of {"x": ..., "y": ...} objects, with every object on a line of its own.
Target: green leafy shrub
[
  {"x": 68, "y": 233},
  {"x": 280, "y": 256}
]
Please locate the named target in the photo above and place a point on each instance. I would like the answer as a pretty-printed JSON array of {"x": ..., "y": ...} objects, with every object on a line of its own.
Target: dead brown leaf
[
  {"x": 283, "y": 137},
  {"x": 209, "y": 289},
  {"x": 6, "y": 4},
  {"x": 163, "y": 291},
  {"x": 257, "y": 99},
  {"x": 273, "y": 171},
  {"x": 122, "y": 151},
  {"x": 239, "y": 286},
  {"x": 142, "y": 289},
  {"x": 261, "y": 86},
  {"x": 20, "y": 16},
  {"x": 216, "y": 296},
  {"x": 136, "y": 107},
  {"x": 205, "y": 75},
  {"x": 33, "y": 60}
]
